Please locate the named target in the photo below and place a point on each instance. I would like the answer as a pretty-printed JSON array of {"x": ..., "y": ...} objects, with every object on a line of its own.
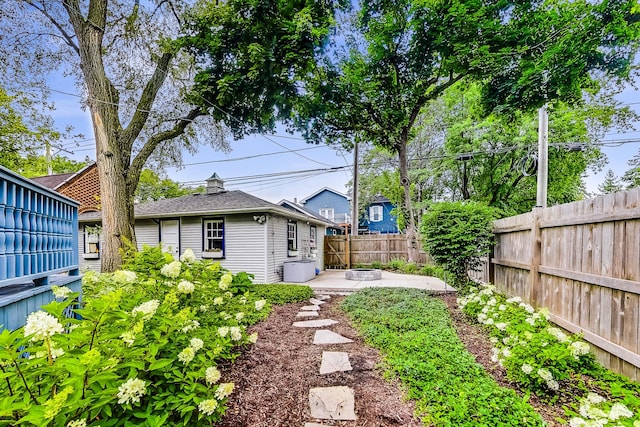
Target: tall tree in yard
[
  {"x": 135, "y": 66},
  {"x": 409, "y": 52}
]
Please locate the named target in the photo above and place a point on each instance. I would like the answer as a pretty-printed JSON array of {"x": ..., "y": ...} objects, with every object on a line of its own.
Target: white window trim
[
  {"x": 328, "y": 213},
  {"x": 292, "y": 236},
  {"x": 91, "y": 248},
  {"x": 205, "y": 238},
  {"x": 376, "y": 213}
]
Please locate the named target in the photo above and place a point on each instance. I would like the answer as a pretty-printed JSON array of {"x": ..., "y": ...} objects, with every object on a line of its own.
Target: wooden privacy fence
[
  {"x": 348, "y": 251},
  {"x": 582, "y": 261}
]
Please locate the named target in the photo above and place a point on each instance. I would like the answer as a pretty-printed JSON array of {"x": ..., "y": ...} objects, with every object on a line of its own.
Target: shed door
[{"x": 170, "y": 236}]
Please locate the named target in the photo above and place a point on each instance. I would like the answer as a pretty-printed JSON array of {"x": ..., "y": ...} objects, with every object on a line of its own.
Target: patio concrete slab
[
  {"x": 332, "y": 403},
  {"x": 334, "y": 361},
  {"x": 325, "y": 336},
  {"x": 320, "y": 323},
  {"x": 307, "y": 314},
  {"x": 334, "y": 282}
]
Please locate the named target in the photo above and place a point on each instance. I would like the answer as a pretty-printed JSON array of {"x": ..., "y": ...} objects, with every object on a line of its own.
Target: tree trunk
[{"x": 407, "y": 210}]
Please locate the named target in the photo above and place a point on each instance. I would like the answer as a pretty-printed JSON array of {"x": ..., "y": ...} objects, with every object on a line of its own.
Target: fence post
[
  {"x": 536, "y": 257},
  {"x": 347, "y": 255},
  {"x": 491, "y": 272}
]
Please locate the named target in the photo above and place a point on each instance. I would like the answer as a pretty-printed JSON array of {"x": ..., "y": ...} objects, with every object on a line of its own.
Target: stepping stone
[
  {"x": 307, "y": 314},
  {"x": 325, "y": 336},
  {"x": 310, "y": 307},
  {"x": 332, "y": 403},
  {"x": 315, "y": 323},
  {"x": 316, "y": 301},
  {"x": 334, "y": 361},
  {"x": 323, "y": 297}
]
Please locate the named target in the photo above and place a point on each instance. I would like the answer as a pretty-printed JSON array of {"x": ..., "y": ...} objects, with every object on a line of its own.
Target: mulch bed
[{"x": 273, "y": 377}]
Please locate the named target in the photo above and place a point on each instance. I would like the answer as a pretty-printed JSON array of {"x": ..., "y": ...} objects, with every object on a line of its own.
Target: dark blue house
[
  {"x": 332, "y": 205},
  {"x": 378, "y": 219}
]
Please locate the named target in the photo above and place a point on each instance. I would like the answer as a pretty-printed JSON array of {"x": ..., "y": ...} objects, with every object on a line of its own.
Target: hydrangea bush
[
  {"x": 145, "y": 348},
  {"x": 547, "y": 361}
]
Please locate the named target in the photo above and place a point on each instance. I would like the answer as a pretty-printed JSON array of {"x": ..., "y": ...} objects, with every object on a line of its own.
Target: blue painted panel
[
  {"x": 389, "y": 223},
  {"x": 329, "y": 199}
]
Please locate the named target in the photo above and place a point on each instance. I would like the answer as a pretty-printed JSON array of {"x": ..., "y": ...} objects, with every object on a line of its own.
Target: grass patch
[
  {"x": 280, "y": 294},
  {"x": 420, "y": 346}
]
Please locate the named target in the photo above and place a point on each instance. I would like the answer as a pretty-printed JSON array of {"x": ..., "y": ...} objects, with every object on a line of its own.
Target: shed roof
[{"x": 224, "y": 202}]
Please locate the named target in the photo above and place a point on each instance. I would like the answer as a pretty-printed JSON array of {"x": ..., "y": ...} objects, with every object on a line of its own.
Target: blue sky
[{"x": 293, "y": 155}]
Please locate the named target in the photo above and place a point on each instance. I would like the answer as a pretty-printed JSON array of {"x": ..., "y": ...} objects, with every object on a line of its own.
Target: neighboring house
[
  {"x": 332, "y": 205},
  {"x": 243, "y": 232},
  {"x": 330, "y": 225},
  {"x": 83, "y": 186},
  {"x": 377, "y": 218}
]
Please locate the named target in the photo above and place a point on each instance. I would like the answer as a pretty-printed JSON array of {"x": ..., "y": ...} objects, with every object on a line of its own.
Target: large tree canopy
[
  {"x": 135, "y": 67},
  {"x": 409, "y": 52},
  {"x": 252, "y": 57}
]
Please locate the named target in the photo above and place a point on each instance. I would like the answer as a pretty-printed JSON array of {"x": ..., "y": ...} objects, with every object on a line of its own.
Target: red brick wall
[{"x": 85, "y": 188}]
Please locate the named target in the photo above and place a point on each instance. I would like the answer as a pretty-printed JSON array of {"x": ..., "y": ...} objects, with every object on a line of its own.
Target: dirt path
[{"x": 274, "y": 377}]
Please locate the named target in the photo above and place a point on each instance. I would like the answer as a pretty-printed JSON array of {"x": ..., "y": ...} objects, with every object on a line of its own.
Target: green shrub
[
  {"x": 547, "y": 361},
  {"x": 421, "y": 347},
  {"x": 410, "y": 268},
  {"x": 280, "y": 294},
  {"x": 397, "y": 264},
  {"x": 376, "y": 264},
  {"x": 145, "y": 350},
  {"x": 433, "y": 271},
  {"x": 457, "y": 235}
]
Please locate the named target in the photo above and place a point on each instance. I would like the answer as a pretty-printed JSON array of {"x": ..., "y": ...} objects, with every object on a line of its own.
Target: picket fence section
[{"x": 580, "y": 260}]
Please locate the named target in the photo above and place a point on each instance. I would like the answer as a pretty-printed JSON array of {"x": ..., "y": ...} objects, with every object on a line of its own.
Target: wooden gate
[{"x": 347, "y": 251}]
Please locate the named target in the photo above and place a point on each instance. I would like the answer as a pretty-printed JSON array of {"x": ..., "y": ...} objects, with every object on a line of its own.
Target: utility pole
[
  {"x": 48, "y": 158},
  {"x": 543, "y": 156},
  {"x": 354, "y": 196}
]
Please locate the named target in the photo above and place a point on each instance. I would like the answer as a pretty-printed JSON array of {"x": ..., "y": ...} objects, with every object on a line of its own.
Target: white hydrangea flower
[
  {"x": 489, "y": 321},
  {"x": 128, "y": 337},
  {"x": 186, "y": 287},
  {"x": 224, "y": 390},
  {"x": 506, "y": 352},
  {"x": 236, "y": 333},
  {"x": 172, "y": 269},
  {"x": 577, "y": 422},
  {"x": 514, "y": 300},
  {"x": 131, "y": 391},
  {"x": 506, "y": 340},
  {"x": 196, "y": 344},
  {"x": 495, "y": 352},
  {"x": 482, "y": 317},
  {"x": 212, "y": 375},
  {"x": 579, "y": 348},
  {"x": 243, "y": 300},
  {"x": 203, "y": 308},
  {"x": 147, "y": 309},
  {"x": 188, "y": 256},
  {"x": 239, "y": 316},
  {"x": 77, "y": 423},
  {"x": 501, "y": 326},
  {"x": 225, "y": 281},
  {"x": 208, "y": 406},
  {"x": 553, "y": 385},
  {"x": 186, "y": 355},
  {"x": 493, "y": 340},
  {"x": 41, "y": 325},
  {"x": 125, "y": 276},
  {"x": 530, "y": 320},
  {"x": 526, "y": 368},
  {"x": 223, "y": 331},
  {"x": 61, "y": 291},
  {"x": 545, "y": 374},
  {"x": 190, "y": 326},
  {"x": 595, "y": 398},
  {"x": 218, "y": 301},
  {"x": 558, "y": 334},
  {"x": 619, "y": 410},
  {"x": 502, "y": 307},
  {"x": 260, "y": 304},
  {"x": 253, "y": 338}
]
